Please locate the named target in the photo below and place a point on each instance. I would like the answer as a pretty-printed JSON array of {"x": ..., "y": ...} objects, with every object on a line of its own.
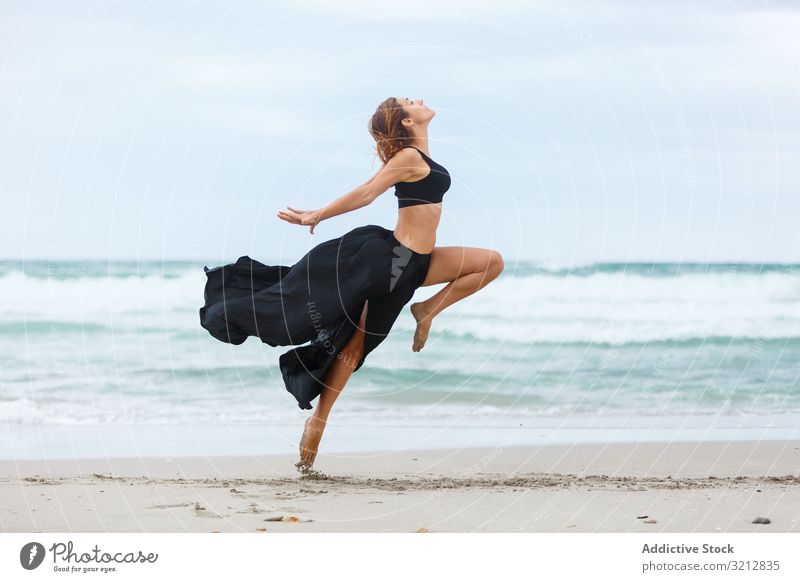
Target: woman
[{"x": 346, "y": 293}]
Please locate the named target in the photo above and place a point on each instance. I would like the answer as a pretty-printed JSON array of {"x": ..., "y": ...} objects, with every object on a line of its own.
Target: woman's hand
[{"x": 303, "y": 217}]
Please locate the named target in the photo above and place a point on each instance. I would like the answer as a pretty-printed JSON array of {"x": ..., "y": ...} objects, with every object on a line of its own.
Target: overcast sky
[{"x": 573, "y": 132}]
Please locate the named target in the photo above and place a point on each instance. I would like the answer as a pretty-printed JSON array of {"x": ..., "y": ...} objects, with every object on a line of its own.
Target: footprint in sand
[
  {"x": 172, "y": 506},
  {"x": 200, "y": 511}
]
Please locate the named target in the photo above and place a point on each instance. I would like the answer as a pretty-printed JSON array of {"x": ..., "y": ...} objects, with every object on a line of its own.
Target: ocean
[{"x": 109, "y": 357}]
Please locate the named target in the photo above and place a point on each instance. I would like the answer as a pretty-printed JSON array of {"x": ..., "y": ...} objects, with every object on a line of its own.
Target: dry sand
[{"x": 648, "y": 487}]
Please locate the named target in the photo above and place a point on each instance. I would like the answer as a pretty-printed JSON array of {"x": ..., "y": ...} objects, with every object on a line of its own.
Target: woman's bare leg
[
  {"x": 335, "y": 380},
  {"x": 466, "y": 270}
]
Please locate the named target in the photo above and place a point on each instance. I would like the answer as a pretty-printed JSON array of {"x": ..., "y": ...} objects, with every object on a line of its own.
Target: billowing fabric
[{"x": 319, "y": 300}]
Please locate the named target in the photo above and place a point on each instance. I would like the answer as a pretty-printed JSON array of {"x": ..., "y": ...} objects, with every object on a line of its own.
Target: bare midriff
[{"x": 416, "y": 226}]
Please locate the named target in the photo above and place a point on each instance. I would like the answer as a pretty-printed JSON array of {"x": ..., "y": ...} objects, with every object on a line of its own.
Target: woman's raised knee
[{"x": 496, "y": 264}]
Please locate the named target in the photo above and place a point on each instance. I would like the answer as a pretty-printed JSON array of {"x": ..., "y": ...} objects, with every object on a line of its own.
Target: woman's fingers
[
  {"x": 288, "y": 217},
  {"x": 295, "y": 216}
]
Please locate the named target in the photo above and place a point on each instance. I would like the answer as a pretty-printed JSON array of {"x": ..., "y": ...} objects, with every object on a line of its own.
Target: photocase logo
[{"x": 31, "y": 555}]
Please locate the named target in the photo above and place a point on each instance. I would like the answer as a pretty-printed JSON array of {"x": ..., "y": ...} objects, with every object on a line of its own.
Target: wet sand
[{"x": 619, "y": 487}]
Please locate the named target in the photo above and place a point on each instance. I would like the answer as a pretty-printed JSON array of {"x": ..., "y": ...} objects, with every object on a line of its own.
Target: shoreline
[
  {"x": 679, "y": 486},
  {"x": 348, "y": 435}
]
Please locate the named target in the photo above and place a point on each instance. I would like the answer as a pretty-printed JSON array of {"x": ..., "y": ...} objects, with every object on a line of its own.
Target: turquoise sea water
[{"x": 119, "y": 345}]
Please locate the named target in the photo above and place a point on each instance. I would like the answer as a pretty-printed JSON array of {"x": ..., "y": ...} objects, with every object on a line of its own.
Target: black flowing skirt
[{"x": 319, "y": 300}]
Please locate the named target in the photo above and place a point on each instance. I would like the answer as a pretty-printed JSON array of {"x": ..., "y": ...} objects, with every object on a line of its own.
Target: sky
[{"x": 573, "y": 132}]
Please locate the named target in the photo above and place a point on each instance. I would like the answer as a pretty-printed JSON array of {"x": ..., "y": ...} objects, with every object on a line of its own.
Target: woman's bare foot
[
  {"x": 309, "y": 442},
  {"x": 423, "y": 325}
]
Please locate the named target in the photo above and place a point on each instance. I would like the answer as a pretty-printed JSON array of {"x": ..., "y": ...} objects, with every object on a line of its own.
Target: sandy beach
[{"x": 620, "y": 487}]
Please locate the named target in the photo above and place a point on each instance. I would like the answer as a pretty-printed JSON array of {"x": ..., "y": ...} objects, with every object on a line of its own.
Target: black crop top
[{"x": 428, "y": 190}]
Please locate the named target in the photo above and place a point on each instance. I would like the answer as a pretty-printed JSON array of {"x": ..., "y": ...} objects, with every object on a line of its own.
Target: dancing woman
[{"x": 346, "y": 293}]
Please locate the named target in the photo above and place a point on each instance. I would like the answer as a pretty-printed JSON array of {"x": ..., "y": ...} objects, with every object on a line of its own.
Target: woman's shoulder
[
  {"x": 404, "y": 156},
  {"x": 410, "y": 154},
  {"x": 408, "y": 151}
]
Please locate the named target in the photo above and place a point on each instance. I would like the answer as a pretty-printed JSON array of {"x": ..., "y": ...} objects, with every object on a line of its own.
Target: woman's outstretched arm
[{"x": 395, "y": 170}]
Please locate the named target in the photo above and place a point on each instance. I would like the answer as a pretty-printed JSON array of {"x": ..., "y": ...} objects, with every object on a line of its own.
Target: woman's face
[{"x": 418, "y": 112}]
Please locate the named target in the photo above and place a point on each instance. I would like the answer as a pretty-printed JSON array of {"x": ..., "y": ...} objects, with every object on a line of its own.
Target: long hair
[{"x": 387, "y": 130}]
